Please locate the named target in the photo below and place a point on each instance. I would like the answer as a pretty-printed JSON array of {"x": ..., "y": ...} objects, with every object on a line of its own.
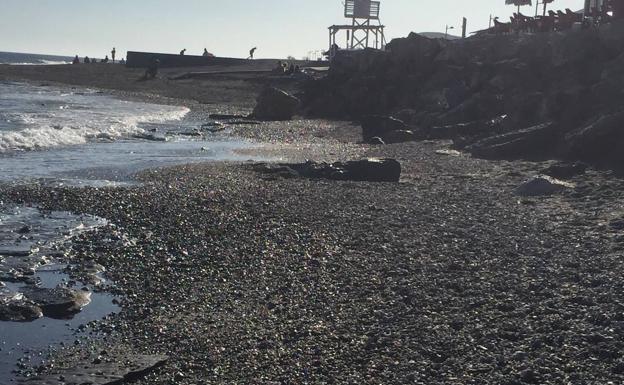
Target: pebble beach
[{"x": 231, "y": 276}]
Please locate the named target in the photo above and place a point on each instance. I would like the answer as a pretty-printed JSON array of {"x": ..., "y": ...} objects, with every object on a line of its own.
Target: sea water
[
  {"x": 77, "y": 137},
  {"x": 15, "y": 58},
  {"x": 88, "y": 137}
]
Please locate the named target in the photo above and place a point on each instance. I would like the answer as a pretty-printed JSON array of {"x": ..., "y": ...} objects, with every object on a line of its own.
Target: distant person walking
[
  {"x": 206, "y": 53},
  {"x": 113, "y": 52},
  {"x": 183, "y": 52},
  {"x": 76, "y": 60},
  {"x": 252, "y": 52}
]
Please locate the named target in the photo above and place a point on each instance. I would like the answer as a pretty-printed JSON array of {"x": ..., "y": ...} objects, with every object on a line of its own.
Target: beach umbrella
[{"x": 519, "y": 3}]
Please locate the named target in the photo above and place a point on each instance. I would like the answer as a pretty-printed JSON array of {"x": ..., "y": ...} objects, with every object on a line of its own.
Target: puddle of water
[{"x": 29, "y": 240}]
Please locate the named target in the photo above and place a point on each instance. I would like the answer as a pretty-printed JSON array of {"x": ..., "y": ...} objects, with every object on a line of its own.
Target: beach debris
[
  {"x": 103, "y": 370},
  {"x": 274, "y": 104},
  {"x": 542, "y": 185},
  {"x": 366, "y": 170}
]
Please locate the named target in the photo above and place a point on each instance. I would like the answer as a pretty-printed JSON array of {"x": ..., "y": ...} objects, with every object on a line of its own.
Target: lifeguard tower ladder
[{"x": 362, "y": 33}]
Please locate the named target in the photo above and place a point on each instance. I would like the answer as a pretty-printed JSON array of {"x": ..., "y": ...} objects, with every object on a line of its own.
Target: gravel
[{"x": 444, "y": 278}]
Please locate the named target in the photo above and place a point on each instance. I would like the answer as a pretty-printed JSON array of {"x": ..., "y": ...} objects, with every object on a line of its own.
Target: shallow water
[{"x": 36, "y": 250}]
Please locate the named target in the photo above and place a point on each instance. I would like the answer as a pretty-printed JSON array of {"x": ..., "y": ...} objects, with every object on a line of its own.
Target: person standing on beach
[
  {"x": 252, "y": 52},
  {"x": 113, "y": 52},
  {"x": 183, "y": 52}
]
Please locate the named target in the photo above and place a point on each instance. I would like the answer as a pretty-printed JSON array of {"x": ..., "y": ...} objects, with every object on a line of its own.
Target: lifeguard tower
[{"x": 365, "y": 30}]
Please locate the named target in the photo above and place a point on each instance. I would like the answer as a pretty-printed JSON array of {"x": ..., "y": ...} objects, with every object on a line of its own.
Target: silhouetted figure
[
  {"x": 105, "y": 60},
  {"x": 152, "y": 70},
  {"x": 87, "y": 60},
  {"x": 113, "y": 52},
  {"x": 122, "y": 61},
  {"x": 76, "y": 60},
  {"x": 252, "y": 52},
  {"x": 183, "y": 52},
  {"x": 206, "y": 53}
]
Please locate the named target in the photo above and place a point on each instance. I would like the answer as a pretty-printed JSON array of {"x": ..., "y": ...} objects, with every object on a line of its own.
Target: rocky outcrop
[
  {"x": 600, "y": 142},
  {"x": 275, "y": 104},
  {"x": 530, "y": 143},
  {"x": 526, "y": 84}
]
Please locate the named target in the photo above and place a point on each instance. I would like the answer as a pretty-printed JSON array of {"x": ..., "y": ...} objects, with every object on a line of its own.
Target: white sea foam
[{"x": 42, "y": 117}]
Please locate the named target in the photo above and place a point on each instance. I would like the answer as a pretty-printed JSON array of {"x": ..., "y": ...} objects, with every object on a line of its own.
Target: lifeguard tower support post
[{"x": 361, "y": 33}]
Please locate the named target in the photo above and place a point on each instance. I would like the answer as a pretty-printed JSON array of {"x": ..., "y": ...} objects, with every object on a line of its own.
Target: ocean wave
[
  {"x": 42, "y": 118},
  {"x": 39, "y": 63},
  {"x": 42, "y": 137}
]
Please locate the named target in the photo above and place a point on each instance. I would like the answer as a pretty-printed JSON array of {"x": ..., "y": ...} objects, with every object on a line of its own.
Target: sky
[{"x": 279, "y": 28}]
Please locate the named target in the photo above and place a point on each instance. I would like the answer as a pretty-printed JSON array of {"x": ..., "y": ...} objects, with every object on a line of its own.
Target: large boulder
[
  {"x": 275, "y": 104},
  {"x": 366, "y": 170},
  {"x": 414, "y": 52},
  {"x": 601, "y": 142},
  {"x": 373, "y": 170},
  {"x": 531, "y": 143}
]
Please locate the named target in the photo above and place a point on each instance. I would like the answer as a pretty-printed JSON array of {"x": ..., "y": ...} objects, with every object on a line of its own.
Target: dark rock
[
  {"x": 617, "y": 224},
  {"x": 226, "y": 116},
  {"x": 118, "y": 371},
  {"x": 372, "y": 170},
  {"x": 59, "y": 303},
  {"x": 151, "y": 136},
  {"x": 542, "y": 185},
  {"x": 380, "y": 126},
  {"x": 601, "y": 142},
  {"x": 530, "y": 143},
  {"x": 375, "y": 140},
  {"x": 275, "y": 104},
  {"x": 529, "y": 376},
  {"x": 19, "y": 311},
  {"x": 282, "y": 171},
  {"x": 564, "y": 170},
  {"x": 24, "y": 230},
  {"x": 415, "y": 52},
  {"x": 367, "y": 170},
  {"x": 399, "y": 136}
]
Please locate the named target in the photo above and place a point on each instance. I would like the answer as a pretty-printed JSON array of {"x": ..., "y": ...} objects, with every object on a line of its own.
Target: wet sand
[{"x": 444, "y": 278}]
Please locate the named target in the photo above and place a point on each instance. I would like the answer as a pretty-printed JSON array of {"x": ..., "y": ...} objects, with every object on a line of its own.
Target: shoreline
[{"x": 444, "y": 278}]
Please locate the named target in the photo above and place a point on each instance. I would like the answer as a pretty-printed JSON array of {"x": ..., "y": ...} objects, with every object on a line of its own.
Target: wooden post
[{"x": 464, "y": 26}]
